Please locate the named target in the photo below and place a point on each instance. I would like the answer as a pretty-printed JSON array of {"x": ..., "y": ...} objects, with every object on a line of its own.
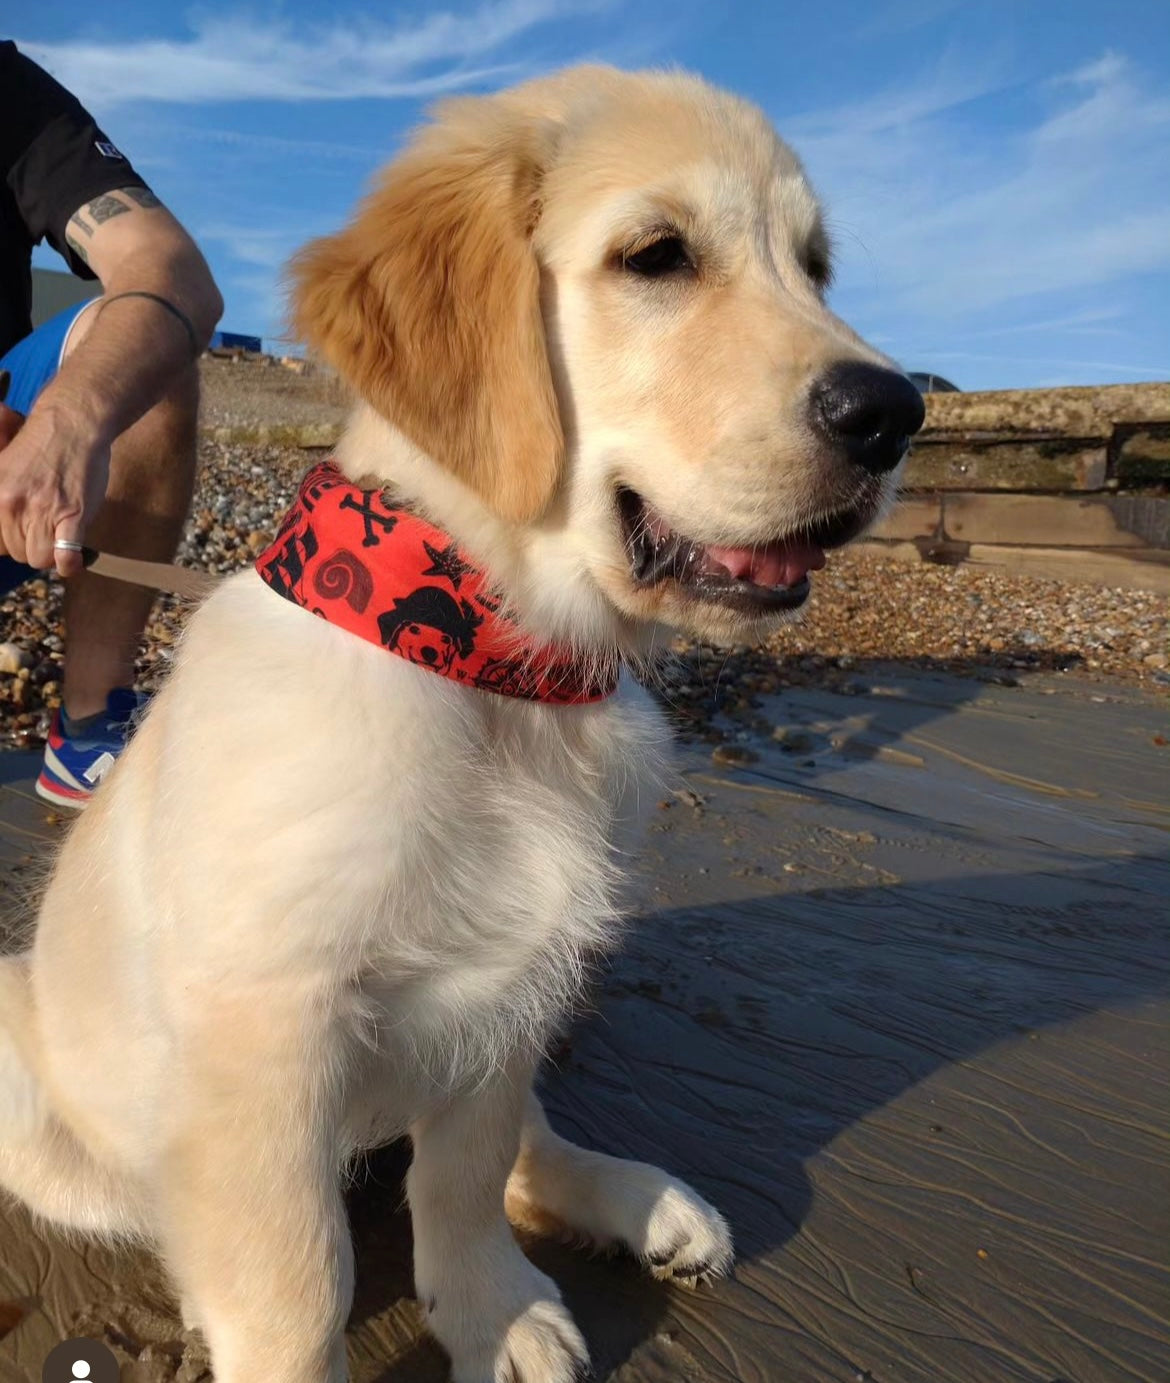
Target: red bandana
[{"x": 390, "y": 577}]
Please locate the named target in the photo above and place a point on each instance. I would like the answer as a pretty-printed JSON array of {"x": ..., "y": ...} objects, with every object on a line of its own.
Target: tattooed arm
[{"x": 54, "y": 473}]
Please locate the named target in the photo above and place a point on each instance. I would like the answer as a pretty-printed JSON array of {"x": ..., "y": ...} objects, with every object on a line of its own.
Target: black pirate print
[{"x": 430, "y": 627}]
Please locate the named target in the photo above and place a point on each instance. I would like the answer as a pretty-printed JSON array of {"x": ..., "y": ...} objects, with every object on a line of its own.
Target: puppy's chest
[
  {"x": 504, "y": 853},
  {"x": 505, "y": 886}
]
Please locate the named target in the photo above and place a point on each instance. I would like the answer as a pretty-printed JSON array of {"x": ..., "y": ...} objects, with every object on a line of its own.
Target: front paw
[
  {"x": 493, "y": 1342},
  {"x": 542, "y": 1346},
  {"x": 684, "y": 1239}
]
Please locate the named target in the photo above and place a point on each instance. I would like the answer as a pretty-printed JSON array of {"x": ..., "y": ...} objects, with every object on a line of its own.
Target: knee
[
  {"x": 180, "y": 402},
  {"x": 169, "y": 428},
  {"x": 185, "y": 386}
]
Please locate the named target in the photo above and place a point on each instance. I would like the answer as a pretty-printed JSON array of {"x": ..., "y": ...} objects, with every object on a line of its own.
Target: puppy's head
[{"x": 598, "y": 300}]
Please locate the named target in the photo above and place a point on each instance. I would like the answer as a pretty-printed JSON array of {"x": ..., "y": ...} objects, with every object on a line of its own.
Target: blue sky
[{"x": 997, "y": 174}]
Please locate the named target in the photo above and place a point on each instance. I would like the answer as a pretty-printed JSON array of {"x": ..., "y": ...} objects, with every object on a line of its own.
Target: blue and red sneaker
[{"x": 78, "y": 758}]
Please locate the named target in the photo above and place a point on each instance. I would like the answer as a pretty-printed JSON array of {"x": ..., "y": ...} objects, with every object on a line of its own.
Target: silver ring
[{"x": 67, "y": 545}]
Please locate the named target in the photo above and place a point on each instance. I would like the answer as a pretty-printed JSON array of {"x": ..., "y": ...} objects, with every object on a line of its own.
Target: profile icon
[{"x": 80, "y": 1361}]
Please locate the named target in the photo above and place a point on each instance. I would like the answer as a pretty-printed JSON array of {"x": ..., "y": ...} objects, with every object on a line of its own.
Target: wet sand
[{"x": 894, "y": 997}]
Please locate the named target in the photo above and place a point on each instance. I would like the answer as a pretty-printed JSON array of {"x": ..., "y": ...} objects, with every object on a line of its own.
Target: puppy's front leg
[
  {"x": 610, "y": 1202},
  {"x": 499, "y": 1318},
  {"x": 253, "y": 1225}
]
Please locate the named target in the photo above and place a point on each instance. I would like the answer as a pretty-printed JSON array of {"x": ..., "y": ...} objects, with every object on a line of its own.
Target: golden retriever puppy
[{"x": 331, "y": 896}]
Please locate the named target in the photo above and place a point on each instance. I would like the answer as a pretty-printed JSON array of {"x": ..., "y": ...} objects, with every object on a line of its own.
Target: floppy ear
[{"x": 429, "y": 303}]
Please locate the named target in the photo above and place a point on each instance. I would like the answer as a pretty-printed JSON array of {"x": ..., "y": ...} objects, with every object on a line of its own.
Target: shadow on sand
[
  {"x": 930, "y": 1096},
  {"x": 736, "y": 1043}
]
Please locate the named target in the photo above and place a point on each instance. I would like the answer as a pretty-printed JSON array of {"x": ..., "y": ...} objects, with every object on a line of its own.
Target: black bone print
[{"x": 370, "y": 517}]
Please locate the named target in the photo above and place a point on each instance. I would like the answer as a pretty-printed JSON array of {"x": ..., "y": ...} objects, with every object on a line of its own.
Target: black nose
[{"x": 872, "y": 413}]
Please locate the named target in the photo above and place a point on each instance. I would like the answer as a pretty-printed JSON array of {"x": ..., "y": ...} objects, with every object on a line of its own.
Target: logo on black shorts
[{"x": 108, "y": 150}]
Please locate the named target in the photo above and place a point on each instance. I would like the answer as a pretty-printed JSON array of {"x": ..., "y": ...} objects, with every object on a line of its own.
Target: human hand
[{"x": 53, "y": 476}]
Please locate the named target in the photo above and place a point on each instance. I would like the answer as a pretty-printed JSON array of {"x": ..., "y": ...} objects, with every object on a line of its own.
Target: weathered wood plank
[
  {"x": 914, "y": 516},
  {"x": 1020, "y": 439},
  {"x": 1082, "y": 521},
  {"x": 1043, "y": 439},
  {"x": 1134, "y": 569},
  {"x": 1085, "y": 412},
  {"x": 1050, "y": 464},
  {"x": 308, "y": 435},
  {"x": 1141, "y": 455}
]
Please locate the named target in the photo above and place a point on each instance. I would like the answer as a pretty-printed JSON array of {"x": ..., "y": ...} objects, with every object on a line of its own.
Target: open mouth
[{"x": 763, "y": 577}]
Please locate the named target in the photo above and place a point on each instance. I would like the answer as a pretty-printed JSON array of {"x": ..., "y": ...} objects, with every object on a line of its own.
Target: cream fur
[{"x": 326, "y": 897}]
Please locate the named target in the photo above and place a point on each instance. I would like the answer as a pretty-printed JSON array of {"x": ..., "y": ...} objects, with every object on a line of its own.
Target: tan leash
[{"x": 159, "y": 576}]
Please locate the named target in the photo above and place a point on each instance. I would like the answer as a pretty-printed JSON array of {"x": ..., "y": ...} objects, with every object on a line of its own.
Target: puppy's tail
[{"x": 41, "y": 1160}]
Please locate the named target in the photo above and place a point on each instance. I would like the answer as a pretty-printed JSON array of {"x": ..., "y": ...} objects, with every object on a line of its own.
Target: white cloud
[
  {"x": 1093, "y": 321},
  {"x": 261, "y": 247},
  {"x": 1106, "y": 68},
  {"x": 1123, "y": 369},
  {"x": 951, "y": 85},
  {"x": 1027, "y": 206},
  {"x": 1114, "y": 108},
  {"x": 968, "y": 208},
  {"x": 239, "y": 59},
  {"x": 900, "y": 17},
  {"x": 267, "y": 145}
]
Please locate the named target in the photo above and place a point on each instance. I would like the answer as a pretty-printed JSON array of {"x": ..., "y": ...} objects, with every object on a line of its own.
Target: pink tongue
[{"x": 776, "y": 564}]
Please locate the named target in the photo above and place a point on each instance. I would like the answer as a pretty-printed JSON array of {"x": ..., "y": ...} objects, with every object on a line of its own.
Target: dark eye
[
  {"x": 817, "y": 264},
  {"x": 654, "y": 261}
]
